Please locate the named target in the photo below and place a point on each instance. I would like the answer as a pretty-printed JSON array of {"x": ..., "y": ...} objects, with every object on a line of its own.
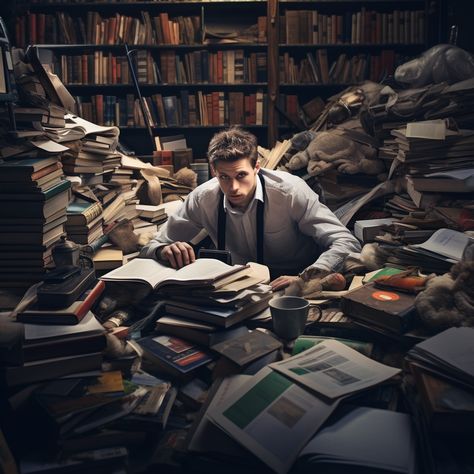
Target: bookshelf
[{"x": 204, "y": 65}]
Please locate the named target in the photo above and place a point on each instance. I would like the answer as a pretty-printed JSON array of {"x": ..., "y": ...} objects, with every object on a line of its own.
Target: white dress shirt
[{"x": 299, "y": 231}]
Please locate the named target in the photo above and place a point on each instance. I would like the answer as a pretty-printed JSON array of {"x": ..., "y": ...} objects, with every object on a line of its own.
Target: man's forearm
[{"x": 152, "y": 250}]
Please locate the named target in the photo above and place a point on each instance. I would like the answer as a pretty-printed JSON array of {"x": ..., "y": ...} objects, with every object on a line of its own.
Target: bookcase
[
  {"x": 327, "y": 46},
  {"x": 202, "y": 65}
]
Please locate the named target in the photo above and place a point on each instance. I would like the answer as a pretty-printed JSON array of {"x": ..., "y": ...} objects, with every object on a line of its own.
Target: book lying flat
[
  {"x": 173, "y": 355},
  {"x": 197, "y": 332},
  {"x": 202, "y": 272},
  {"x": 247, "y": 347},
  {"x": 222, "y": 317},
  {"x": 73, "y": 314},
  {"x": 363, "y": 439},
  {"x": 391, "y": 310}
]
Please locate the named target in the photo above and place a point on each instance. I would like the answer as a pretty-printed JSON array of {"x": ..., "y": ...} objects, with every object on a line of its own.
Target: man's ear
[
  {"x": 257, "y": 166},
  {"x": 213, "y": 171}
]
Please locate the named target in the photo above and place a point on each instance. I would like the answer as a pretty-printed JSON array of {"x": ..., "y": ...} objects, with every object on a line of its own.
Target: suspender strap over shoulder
[{"x": 221, "y": 223}]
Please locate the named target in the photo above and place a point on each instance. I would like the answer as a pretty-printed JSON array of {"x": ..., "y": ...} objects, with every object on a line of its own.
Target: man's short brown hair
[{"x": 232, "y": 144}]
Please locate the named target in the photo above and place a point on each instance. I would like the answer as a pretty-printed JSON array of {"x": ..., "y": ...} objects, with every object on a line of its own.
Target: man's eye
[
  {"x": 241, "y": 175},
  {"x": 223, "y": 177}
]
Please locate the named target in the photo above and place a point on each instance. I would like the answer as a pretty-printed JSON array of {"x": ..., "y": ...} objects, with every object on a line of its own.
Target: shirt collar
[{"x": 258, "y": 195}]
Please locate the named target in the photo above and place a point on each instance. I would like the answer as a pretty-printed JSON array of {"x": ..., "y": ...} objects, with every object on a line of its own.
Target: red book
[
  {"x": 70, "y": 315},
  {"x": 162, "y": 157}
]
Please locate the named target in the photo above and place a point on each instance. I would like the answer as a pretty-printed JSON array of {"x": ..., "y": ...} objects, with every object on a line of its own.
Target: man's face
[{"x": 237, "y": 180}]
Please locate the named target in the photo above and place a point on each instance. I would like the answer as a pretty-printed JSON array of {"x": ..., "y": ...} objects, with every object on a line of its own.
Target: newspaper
[
  {"x": 334, "y": 370},
  {"x": 272, "y": 417}
]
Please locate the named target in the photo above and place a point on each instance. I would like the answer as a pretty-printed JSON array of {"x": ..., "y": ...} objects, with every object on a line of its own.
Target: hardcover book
[
  {"x": 73, "y": 314},
  {"x": 172, "y": 354},
  {"x": 223, "y": 317},
  {"x": 196, "y": 331},
  {"x": 392, "y": 310}
]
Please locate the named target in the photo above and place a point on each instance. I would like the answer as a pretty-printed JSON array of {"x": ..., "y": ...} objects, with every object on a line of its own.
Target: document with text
[{"x": 334, "y": 370}]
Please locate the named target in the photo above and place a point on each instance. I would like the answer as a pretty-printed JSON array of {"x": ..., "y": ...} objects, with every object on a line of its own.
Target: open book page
[
  {"x": 272, "y": 417},
  {"x": 73, "y": 121},
  {"x": 155, "y": 273},
  {"x": 462, "y": 174},
  {"x": 366, "y": 437},
  {"x": 333, "y": 370},
  {"x": 446, "y": 242}
]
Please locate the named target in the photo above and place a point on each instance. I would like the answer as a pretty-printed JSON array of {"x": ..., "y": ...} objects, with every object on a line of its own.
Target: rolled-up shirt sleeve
[
  {"x": 181, "y": 226},
  {"x": 319, "y": 222}
]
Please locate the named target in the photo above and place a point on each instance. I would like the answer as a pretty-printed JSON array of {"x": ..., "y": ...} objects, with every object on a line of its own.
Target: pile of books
[
  {"x": 31, "y": 353},
  {"x": 33, "y": 201},
  {"x": 93, "y": 154},
  {"x": 443, "y": 370}
]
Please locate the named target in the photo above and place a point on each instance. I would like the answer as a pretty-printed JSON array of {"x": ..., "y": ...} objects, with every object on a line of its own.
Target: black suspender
[{"x": 221, "y": 223}]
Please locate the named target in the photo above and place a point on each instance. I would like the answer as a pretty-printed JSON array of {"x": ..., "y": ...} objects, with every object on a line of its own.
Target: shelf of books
[
  {"x": 215, "y": 63},
  {"x": 198, "y": 64},
  {"x": 343, "y": 43}
]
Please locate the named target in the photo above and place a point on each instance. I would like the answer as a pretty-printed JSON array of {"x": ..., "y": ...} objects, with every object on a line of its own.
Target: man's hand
[
  {"x": 283, "y": 282},
  {"x": 178, "y": 254}
]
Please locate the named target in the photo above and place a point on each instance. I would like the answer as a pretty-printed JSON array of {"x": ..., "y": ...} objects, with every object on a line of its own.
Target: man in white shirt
[{"x": 272, "y": 217}]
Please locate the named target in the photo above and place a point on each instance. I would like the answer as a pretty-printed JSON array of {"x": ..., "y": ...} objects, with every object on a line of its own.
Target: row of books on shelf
[
  {"x": 297, "y": 27},
  {"x": 365, "y": 26},
  {"x": 230, "y": 66},
  {"x": 64, "y": 28},
  {"x": 315, "y": 69},
  {"x": 188, "y": 109}
]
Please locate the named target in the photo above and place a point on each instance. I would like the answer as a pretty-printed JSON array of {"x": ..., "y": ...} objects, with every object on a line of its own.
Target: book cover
[
  {"x": 195, "y": 331},
  {"x": 73, "y": 314},
  {"x": 247, "y": 347},
  {"x": 222, "y": 317},
  {"x": 391, "y": 310},
  {"x": 173, "y": 354}
]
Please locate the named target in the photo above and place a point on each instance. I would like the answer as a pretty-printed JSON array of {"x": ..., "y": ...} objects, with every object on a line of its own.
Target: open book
[{"x": 203, "y": 272}]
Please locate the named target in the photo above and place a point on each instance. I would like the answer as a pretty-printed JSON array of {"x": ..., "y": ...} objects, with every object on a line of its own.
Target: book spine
[{"x": 90, "y": 299}]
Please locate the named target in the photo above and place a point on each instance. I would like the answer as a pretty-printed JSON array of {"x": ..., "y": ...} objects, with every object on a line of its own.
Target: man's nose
[{"x": 234, "y": 185}]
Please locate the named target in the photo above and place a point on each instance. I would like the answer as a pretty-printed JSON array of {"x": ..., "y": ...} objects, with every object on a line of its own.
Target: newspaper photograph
[{"x": 334, "y": 370}]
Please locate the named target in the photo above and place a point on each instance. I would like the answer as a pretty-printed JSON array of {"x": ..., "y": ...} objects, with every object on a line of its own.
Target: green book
[{"x": 305, "y": 342}]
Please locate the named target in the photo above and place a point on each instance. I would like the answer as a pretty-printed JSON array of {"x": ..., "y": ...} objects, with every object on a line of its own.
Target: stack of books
[
  {"x": 31, "y": 353},
  {"x": 437, "y": 254},
  {"x": 33, "y": 200},
  {"x": 84, "y": 222},
  {"x": 223, "y": 307},
  {"x": 204, "y": 273},
  {"x": 444, "y": 378},
  {"x": 95, "y": 153}
]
